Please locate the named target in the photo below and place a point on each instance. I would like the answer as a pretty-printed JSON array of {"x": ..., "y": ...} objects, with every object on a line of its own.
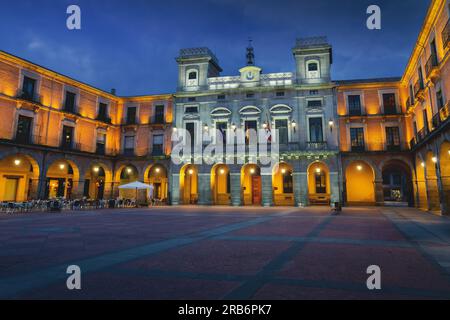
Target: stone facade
[{"x": 360, "y": 142}]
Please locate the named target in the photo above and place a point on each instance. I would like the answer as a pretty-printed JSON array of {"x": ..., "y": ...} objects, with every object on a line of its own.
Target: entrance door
[
  {"x": 256, "y": 190},
  {"x": 157, "y": 191},
  {"x": 11, "y": 189}
]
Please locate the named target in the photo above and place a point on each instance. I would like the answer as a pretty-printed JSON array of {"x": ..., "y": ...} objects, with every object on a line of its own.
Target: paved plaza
[{"x": 225, "y": 253}]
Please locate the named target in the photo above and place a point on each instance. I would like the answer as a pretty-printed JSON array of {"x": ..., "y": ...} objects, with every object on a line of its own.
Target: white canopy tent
[{"x": 137, "y": 185}]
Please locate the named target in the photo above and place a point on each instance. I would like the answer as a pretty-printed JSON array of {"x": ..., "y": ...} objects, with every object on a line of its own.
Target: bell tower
[{"x": 195, "y": 66}]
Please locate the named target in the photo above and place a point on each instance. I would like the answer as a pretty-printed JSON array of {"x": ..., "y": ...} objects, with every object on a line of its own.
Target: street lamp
[
  {"x": 331, "y": 124},
  {"x": 294, "y": 125},
  {"x": 17, "y": 162}
]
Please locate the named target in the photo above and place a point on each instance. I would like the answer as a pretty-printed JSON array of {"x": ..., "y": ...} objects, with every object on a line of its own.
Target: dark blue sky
[{"x": 131, "y": 45}]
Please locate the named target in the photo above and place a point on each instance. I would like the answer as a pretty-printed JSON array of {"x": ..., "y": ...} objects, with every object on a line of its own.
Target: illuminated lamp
[{"x": 17, "y": 162}]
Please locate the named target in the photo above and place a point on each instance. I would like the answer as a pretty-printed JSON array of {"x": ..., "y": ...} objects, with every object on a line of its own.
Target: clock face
[{"x": 250, "y": 75}]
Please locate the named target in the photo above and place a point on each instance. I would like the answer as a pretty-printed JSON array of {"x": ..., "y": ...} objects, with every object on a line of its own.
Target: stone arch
[
  {"x": 318, "y": 179},
  {"x": 434, "y": 203},
  {"x": 444, "y": 162},
  {"x": 19, "y": 177},
  {"x": 220, "y": 184},
  {"x": 397, "y": 182},
  {"x": 421, "y": 183},
  {"x": 283, "y": 184},
  {"x": 251, "y": 185},
  {"x": 360, "y": 183},
  {"x": 62, "y": 178},
  {"x": 189, "y": 184},
  {"x": 157, "y": 175}
]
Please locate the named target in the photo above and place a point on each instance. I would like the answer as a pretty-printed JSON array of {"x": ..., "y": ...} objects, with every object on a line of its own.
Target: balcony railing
[
  {"x": 322, "y": 145},
  {"x": 446, "y": 35},
  {"x": 418, "y": 89},
  {"x": 408, "y": 104},
  {"x": 431, "y": 65},
  {"x": 103, "y": 118},
  {"x": 32, "y": 97},
  {"x": 376, "y": 147},
  {"x": 130, "y": 121},
  {"x": 391, "y": 111}
]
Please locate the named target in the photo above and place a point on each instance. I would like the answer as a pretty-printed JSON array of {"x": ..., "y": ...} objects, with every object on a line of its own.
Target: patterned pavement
[{"x": 226, "y": 253}]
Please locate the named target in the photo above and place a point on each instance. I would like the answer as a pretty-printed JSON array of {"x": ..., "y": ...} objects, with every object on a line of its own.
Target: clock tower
[{"x": 250, "y": 73}]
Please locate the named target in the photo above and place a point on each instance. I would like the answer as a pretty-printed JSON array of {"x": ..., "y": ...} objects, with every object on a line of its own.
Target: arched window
[
  {"x": 192, "y": 78},
  {"x": 312, "y": 68}
]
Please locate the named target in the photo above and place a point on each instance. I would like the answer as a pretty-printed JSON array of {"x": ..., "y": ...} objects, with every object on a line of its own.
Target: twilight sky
[{"x": 131, "y": 45}]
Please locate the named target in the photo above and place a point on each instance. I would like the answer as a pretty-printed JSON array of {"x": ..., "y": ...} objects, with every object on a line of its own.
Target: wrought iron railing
[
  {"x": 31, "y": 97},
  {"x": 432, "y": 63},
  {"x": 446, "y": 35}
]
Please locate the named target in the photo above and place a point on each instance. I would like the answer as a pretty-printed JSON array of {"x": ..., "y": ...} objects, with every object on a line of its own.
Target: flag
[{"x": 268, "y": 130}]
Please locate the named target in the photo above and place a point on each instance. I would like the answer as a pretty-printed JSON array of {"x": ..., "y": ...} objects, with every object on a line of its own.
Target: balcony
[
  {"x": 355, "y": 112},
  {"x": 158, "y": 120},
  {"x": 34, "y": 97},
  {"x": 419, "y": 92},
  {"x": 128, "y": 152},
  {"x": 392, "y": 111},
  {"x": 322, "y": 145},
  {"x": 446, "y": 35},
  {"x": 103, "y": 118},
  {"x": 130, "y": 121},
  {"x": 157, "y": 150},
  {"x": 409, "y": 105},
  {"x": 431, "y": 67},
  {"x": 100, "y": 149},
  {"x": 376, "y": 147}
]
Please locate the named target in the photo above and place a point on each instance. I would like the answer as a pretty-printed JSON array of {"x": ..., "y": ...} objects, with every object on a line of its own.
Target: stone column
[
  {"x": 379, "y": 194},
  {"x": 115, "y": 189},
  {"x": 204, "y": 189},
  {"x": 42, "y": 185},
  {"x": 107, "y": 191},
  {"x": 236, "y": 189},
  {"x": 34, "y": 189},
  {"x": 433, "y": 194},
  {"x": 334, "y": 187},
  {"x": 174, "y": 185},
  {"x": 267, "y": 190},
  {"x": 440, "y": 185},
  {"x": 77, "y": 189},
  {"x": 300, "y": 189}
]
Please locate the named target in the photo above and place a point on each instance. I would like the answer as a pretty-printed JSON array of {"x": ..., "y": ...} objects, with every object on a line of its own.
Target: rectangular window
[
  {"x": 393, "y": 138},
  {"x": 159, "y": 114},
  {"x": 354, "y": 105},
  {"x": 357, "y": 139},
  {"x": 190, "y": 128},
  {"x": 288, "y": 183},
  {"x": 101, "y": 142},
  {"x": 191, "y": 109},
  {"x": 315, "y": 130},
  {"x": 67, "y": 138},
  {"x": 321, "y": 183},
  {"x": 221, "y": 128},
  {"x": 102, "y": 111},
  {"x": 131, "y": 115},
  {"x": 250, "y": 95},
  {"x": 69, "y": 104},
  {"x": 280, "y": 94},
  {"x": 389, "y": 103},
  {"x": 129, "y": 145},
  {"x": 315, "y": 104},
  {"x": 411, "y": 94},
  {"x": 158, "y": 141},
  {"x": 250, "y": 126},
  {"x": 425, "y": 121},
  {"x": 28, "y": 88},
  {"x": 192, "y": 99},
  {"x": 221, "y": 97},
  {"x": 439, "y": 99},
  {"x": 24, "y": 125},
  {"x": 313, "y": 92},
  {"x": 283, "y": 134}
]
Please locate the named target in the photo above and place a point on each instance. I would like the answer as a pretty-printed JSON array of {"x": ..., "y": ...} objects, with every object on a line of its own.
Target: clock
[{"x": 250, "y": 75}]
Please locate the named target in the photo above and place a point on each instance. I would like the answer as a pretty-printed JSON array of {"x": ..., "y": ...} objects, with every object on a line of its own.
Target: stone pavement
[{"x": 226, "y": 253}]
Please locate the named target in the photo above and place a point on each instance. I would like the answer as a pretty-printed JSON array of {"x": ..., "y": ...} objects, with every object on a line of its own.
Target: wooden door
[{"x": 256, "y": 190}]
